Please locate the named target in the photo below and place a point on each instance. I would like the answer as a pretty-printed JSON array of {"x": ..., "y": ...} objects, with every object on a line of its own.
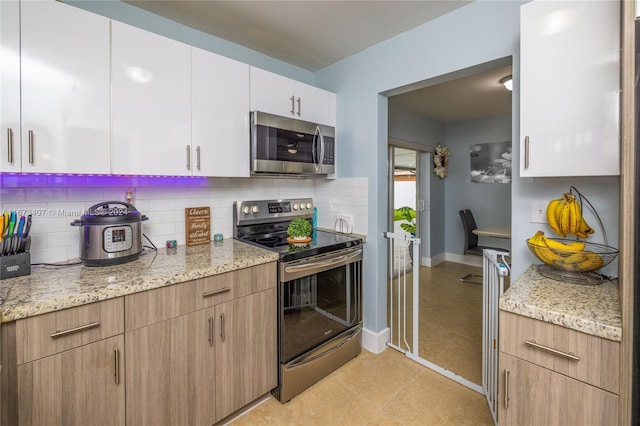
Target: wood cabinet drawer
[
  {"x": 222, "y": 288},
  {"x": 587, "y": 358},
  {"x": 47, "y": 334},
  {"x": 149, "y": 307}
]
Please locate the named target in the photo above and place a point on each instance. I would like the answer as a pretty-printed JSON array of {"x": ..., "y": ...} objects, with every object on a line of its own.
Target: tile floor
[
  {"x": 384, "y": 389},
  {"x": 390, "y": 389}
]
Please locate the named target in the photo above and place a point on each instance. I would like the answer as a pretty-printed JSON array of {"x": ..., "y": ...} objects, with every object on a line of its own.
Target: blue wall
[{"x": 480, "y": 32}]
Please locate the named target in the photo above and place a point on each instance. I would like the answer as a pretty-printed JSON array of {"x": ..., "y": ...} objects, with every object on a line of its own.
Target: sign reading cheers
[{"x": 197, "y": 225}]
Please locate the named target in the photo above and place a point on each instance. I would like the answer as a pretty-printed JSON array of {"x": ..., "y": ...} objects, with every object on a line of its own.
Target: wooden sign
[{"x": 197, "y": 222}]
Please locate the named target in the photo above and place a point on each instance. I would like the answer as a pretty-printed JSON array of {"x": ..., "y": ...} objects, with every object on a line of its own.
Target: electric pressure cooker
[{"x": 110, "y": 234}]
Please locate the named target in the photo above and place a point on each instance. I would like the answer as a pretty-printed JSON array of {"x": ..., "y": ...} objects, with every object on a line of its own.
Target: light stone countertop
[
  {"x": 591, "y": 309},
  {"x": 49, "y": 289}
]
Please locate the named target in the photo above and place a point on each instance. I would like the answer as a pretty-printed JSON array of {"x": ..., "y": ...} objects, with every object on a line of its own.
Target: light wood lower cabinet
[
  {"x": 65, "y": 367},
  {"x": 171, "y": 372},
  {"x": 246, "y": 351},
  {"x": 551, "y": 375},
  {"x": 81, "y": 387},
  {"x": 193, "y": 364},
  {"x": 533, "y": 395}
]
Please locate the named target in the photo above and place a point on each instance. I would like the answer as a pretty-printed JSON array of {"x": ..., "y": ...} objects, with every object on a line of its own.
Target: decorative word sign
[{"x": 197, "y": 222}]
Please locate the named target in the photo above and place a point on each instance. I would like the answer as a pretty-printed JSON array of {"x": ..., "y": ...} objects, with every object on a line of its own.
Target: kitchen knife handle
[
  {"x": 27, "y": 227},
  {"x": 31, "y": 147},
  {"x": 9, "y": 145}
]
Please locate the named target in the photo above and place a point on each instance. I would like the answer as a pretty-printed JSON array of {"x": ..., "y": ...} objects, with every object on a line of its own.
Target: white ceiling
[{"x": 314, "y": 34}]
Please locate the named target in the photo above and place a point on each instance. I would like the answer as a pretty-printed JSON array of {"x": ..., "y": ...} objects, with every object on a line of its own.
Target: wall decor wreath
[{"x": 441, "y": 161}]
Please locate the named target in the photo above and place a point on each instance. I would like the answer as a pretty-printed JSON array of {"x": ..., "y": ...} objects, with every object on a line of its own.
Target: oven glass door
[{"x": 316, "y": 307}]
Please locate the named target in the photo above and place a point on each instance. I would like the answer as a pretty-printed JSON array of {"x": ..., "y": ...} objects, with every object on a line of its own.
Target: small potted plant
[{"x": 299, "y": 229}]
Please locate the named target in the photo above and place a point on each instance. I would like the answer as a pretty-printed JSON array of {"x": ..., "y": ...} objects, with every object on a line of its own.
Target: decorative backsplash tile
[{"x": 55, "y": 201}]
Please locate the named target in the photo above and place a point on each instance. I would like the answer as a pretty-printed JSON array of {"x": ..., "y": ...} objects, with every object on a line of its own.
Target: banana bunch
[
  {"x": 564, "y": 217},
  {"x": 568, "y": 256}
]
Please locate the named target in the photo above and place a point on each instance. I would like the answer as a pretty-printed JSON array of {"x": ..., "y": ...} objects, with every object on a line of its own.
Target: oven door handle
[
  {"x": 322, "y": 263},
  {"x": 306, "y": 359}
]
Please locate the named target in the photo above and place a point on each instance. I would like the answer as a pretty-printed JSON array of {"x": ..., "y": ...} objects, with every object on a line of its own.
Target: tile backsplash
[{"x": 55, "y": 201}]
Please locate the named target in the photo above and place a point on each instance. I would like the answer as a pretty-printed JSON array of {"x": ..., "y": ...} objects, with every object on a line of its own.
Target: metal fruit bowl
[{"x": 594, "y": 256}]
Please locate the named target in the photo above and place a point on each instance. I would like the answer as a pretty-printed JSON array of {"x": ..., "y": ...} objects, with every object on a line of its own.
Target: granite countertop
[
  {"x": 49, "y": 289},
  {"x": 591, "y": 309}
]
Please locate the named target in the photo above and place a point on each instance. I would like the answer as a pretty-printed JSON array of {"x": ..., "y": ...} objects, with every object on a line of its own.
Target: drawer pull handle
[
  {"x": 214, "y": 292},
  {"x": 116, "y": 357},
  {"x": 533, "y": 343},
  {"x": 211, "y": 331},
  {"x": 222, "y": 327},
  {"x": 59, "y": 333},
  {"x": 506, "y": 389}
]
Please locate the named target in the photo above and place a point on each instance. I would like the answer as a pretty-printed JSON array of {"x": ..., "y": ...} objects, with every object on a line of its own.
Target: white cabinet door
[
  {"x": 65, "y": 89},
  {"x": 151, "y": 103},
  {"x": 10, "y": 83},
  {"x": 220, "y": 115},
  {"x": 569, "y": 88},
  {"x": 272, "y": 93},
  {"x": 283, "y": 96}
]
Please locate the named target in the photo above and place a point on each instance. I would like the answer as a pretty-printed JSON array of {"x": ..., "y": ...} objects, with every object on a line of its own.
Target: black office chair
[{"x": 471, "y": 243}]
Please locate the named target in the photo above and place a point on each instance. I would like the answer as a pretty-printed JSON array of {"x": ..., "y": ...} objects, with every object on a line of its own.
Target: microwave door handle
[
  {"x": 321, "y": 162},
  {"x": 315, "y": 150}
]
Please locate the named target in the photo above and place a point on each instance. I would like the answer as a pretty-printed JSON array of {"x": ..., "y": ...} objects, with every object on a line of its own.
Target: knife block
[{"x": 15, "y": 265}]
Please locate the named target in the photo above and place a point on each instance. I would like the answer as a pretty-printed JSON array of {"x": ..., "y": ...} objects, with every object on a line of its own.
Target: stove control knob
[
  {"x": 246, "y": 210},
  {"x": 295, "y": 206},
  {"x": 255, "y": 209},
  {"x": 301, "y": 206},
  {"x": 308, "y": 205}
]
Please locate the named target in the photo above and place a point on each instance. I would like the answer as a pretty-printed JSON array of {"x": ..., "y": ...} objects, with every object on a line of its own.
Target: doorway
[{"x": 450, "y": 312}]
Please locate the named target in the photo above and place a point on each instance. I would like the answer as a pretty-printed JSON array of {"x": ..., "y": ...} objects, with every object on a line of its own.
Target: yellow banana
[
  {"x": 563, "y": 215},
  {"x": 576, "y": 257},
  {"x": 539, "y": 247},
  {"x": 592, "y": 262},
  {"x": 575, "y": 216},
  {"x": 552, "y": 217},
  {"x": 562, "y": 247},
  {"x": 584, "y": 230}
]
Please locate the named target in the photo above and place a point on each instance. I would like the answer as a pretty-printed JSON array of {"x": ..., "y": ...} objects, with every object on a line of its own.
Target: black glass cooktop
[{"x": 321, "y": 242}]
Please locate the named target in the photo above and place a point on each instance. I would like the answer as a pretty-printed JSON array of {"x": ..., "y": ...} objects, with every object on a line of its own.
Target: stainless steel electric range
[{"x": 319, "y": 291}]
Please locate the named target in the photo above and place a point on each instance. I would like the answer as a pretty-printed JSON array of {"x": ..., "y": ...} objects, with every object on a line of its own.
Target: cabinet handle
[
  {"x": 188, "y": 157},
  {"x": 214, "y": 292},
  {"x": 533, "y": 344},
  {"x": 30, "y": 146},
  {"x": 506, "y": 389},
  {"x": 10, "y": 145},
  {"x": 210, "y": 331},
  {"x": 198, "y": 157},
  {"x": 299, "y": 110},
  {"x": 526, "y": 152},
  {"x": 293, "y": 105},
  {"x": 59, "y": 333},
  {"x": 222, "y": 327},
  {"x": 116, "y": 366}
]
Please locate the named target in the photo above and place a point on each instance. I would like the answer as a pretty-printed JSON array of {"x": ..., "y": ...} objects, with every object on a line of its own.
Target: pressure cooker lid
[{"x": 111, "y": 212}]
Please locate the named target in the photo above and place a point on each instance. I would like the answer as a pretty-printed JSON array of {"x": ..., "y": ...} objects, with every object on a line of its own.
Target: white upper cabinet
[
  {"x": 569, "y": 88},
  {"x": 10, "y": 83},
  {"x": 151, "y": 103},
  {"x": 220, "y": 115},
  {"x": 65, "y": 89},
  {"x": 283, "y": 96}
]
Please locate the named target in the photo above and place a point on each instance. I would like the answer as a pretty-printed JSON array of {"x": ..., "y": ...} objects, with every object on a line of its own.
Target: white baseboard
[{"x": 375, "y": 342}]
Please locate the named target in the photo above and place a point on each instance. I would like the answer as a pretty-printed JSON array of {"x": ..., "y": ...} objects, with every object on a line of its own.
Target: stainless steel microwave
[{"x": 286, "y": 146}]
